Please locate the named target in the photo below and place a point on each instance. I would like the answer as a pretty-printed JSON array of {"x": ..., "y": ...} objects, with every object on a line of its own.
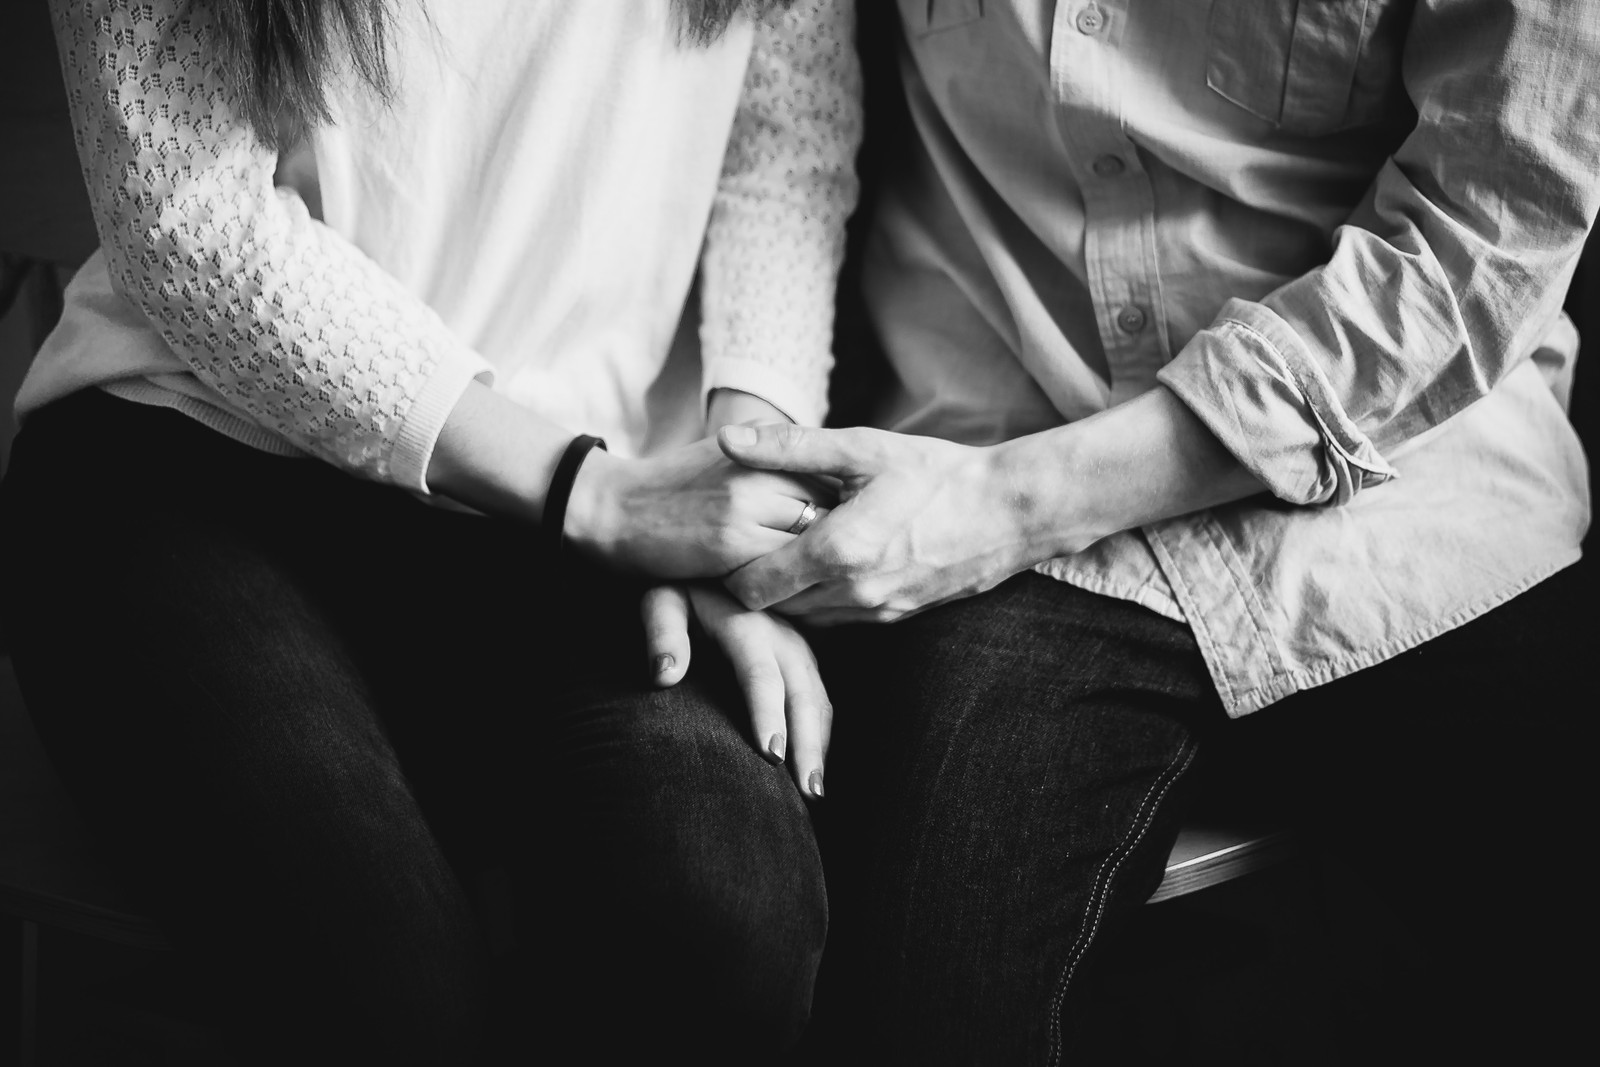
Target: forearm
[
  {"x": 1140, "y": 462},
  {"x": 280, "y": 316},
  {"x": 496, "y": 455}
]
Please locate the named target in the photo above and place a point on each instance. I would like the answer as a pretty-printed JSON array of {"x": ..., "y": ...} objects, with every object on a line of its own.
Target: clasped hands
[
  {"x": 914, "y": 522},
  {"x": 903, "y": 523}
]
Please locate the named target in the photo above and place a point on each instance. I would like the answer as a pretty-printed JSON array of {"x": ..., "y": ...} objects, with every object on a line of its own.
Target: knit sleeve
[
  {"x": 776, "y": 237},
  {"x": 287, "y": 321}
]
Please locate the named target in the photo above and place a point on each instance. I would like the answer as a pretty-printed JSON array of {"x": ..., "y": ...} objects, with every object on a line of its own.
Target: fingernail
[
  {"x": 815, "y": 781},
  {"x": 664, "y": 663},
  {"x": 775, "y": 746},
  {"x": 739, "y": 435}
]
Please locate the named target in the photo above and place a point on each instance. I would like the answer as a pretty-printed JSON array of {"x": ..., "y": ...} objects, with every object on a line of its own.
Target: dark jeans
[
  {"x": 329, "y": 733},
  {"x": 1008, "y": 773}
]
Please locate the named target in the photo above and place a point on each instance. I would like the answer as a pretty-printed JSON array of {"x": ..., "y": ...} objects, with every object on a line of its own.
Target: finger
[
  {"x": 819, "y": 489},
  {"x": 777, "y": 575},
  {"x": 746, "y": 639},
  {"x": 761, "y": 682},
  {"x": 801, "y": 449},
  {"x": 665, "y": 612},
  {"x": 824, "y": 597},
  {"x": 782, "y": 484},
  {"x": 747, "y": 543},
  {"x": 822, "y": 620},
  {"x": 808, "y": 712},
  {"x": 823, "y": 617},
  {"x": 783, "y": 514}
]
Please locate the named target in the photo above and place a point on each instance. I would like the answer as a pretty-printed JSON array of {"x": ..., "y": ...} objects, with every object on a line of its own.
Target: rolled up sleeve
[{"x": 1444, "y": 277}]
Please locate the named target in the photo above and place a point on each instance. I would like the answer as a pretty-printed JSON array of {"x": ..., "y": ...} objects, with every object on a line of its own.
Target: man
[{"x": 1229, "y": 376}]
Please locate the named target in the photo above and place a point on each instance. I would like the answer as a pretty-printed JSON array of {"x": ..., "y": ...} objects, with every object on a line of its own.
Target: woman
[{"x": 327, "y": 731}]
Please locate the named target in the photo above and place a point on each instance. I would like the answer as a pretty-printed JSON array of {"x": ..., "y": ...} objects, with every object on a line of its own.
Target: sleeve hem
[
  {"x": 1272, "y": 407},
  {"x": 806, "y": 406},
  {"x": 419, "y": 430}
]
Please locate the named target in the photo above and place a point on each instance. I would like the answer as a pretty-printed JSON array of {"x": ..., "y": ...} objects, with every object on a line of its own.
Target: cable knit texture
[
  {"x": 285, "y": 320},
  {"x": 776, "y": 237}
]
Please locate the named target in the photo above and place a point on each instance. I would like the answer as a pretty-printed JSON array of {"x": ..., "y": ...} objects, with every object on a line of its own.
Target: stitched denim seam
[{"x": 1100, "y": 894}]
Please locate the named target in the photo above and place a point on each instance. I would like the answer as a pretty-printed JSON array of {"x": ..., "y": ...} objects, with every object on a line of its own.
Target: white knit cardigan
[{"x": 531, "y": 210}]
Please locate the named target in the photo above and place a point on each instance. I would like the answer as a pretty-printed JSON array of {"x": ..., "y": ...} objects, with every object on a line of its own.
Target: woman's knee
[{"x": 703, "y": 863}]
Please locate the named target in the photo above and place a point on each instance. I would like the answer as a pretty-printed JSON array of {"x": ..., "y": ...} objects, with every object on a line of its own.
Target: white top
[{"x": 530, "y": 211}]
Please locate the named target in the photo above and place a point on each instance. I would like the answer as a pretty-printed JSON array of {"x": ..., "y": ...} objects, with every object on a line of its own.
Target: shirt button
[
  {"x": 1091, "y": 20},
  {"x": 1131, "y": 319},
  {"x": 1109, "y": 166}
]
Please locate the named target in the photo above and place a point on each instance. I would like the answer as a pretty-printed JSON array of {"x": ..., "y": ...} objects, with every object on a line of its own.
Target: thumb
[
  {"x": 798, "y": 449},
  {"x": 665, "y": 612}
]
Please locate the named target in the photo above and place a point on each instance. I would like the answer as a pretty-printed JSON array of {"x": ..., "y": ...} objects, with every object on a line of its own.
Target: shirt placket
[{"x": 1118, "y": 200}]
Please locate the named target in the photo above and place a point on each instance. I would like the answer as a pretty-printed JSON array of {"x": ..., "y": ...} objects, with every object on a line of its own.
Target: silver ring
[{"x": 808, "y": 515}]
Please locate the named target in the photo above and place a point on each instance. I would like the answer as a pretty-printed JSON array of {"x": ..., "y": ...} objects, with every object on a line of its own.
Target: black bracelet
[{"x": 555, "y": 501}]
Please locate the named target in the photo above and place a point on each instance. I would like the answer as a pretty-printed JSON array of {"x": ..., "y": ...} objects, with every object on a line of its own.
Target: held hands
[
  {"x": 790, "y": 714},
  {"x": 688, "y": 513},
  {"x": 920, "y": 521}
]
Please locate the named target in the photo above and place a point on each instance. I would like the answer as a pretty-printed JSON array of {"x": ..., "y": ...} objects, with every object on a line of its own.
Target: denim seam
[{"x": 1100, "y": 894}]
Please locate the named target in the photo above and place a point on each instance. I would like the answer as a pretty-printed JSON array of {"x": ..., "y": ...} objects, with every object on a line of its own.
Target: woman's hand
[
  {"x": 789, "y": 709},
  {"x": 690, "y": 512},
  {"x": 687, "y": 513}
]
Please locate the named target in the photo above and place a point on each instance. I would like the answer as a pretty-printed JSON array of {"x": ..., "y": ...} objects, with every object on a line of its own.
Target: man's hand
[
  {"x": 789, "y": 709},
  {"x": 920, "y": 521},
  {"x": 684, "y": 513}
]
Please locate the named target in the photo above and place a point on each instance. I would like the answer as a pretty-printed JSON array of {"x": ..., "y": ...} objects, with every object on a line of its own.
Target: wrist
[
  {"x": 592, "y": 511},
  {"x": 1054, "y": 509},
  {"x": 495, "y": 456},
  {"x": 1140, "y": 462}
]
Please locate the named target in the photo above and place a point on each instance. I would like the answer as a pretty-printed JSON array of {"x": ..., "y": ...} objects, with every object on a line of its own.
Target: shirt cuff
[
  {"x": 1251, "y": 381},
  {"x": 805, "y": 404},
  {"x": 419, "y": 431}
]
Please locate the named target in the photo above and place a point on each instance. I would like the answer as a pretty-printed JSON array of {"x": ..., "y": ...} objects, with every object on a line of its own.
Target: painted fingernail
[
  {"x": 739, "y": 435},
  {"x": 775, "y": 747},
  {"x": 815, "y": 781},
  {"x": 664, "y": 663}
]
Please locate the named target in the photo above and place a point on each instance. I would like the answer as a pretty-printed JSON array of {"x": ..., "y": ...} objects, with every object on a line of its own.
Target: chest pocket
[
  {"x": 922, "y": 17},
  {"x": 1311, "y": 67}
]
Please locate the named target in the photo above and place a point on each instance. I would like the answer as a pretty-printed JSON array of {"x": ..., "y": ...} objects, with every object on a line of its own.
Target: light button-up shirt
[{"x": 1340, "y": 232}]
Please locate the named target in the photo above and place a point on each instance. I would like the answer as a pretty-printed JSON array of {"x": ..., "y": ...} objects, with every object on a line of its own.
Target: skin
[
  {"x": 690, "y": 513},
  {"x": 686, "y": 513},
  {"x": 922, "y": 521},
  {"x": 790, "y": 714}
]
